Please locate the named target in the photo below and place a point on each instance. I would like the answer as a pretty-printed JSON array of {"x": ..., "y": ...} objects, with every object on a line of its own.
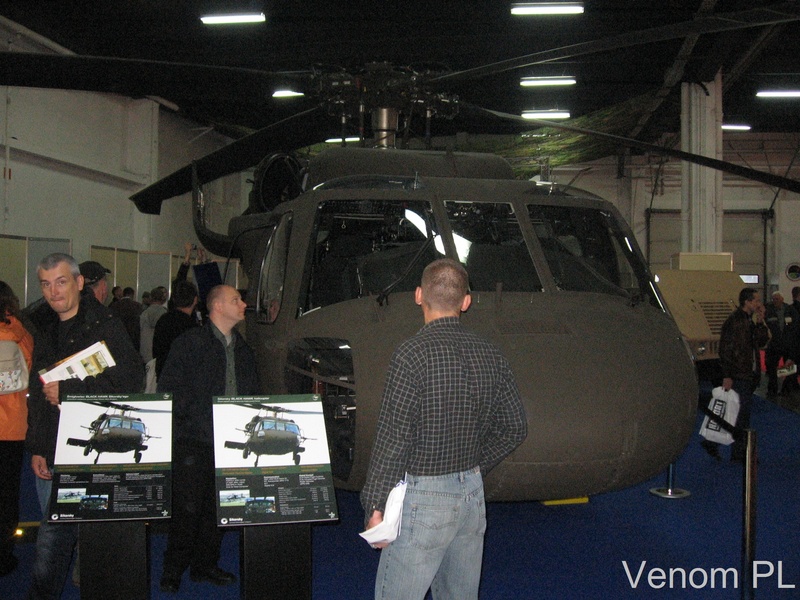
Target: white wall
[{"x": 75, "y": 158}]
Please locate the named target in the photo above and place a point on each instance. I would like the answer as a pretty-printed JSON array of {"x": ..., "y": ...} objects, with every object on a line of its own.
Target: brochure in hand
[{"x": 89, "y": 362}]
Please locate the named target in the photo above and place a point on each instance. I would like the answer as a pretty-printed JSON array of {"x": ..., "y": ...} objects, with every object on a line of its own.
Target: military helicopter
[
  {"x": 268, "y": 432},
  {"x": 116, "y": 431},
  {"x": 228, "y": 498},
  {"x": 333, "y": 247},
  {"x": 65, "y": 494}
]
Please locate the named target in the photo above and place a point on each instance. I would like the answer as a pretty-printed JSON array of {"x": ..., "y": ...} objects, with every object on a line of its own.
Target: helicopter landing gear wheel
[
  {"x": 245, "y": 452},
  {"x": 296, "y": 458},
  {"x": 96, "y": 458},
  {"x": 137, "y": 456},
  {"x": 87, "y": 450}
]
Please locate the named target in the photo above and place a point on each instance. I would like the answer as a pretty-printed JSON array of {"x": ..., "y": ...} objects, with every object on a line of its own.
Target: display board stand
[
  {"x": 275, "y": 562},
  {"x": 114, "y": 560}
]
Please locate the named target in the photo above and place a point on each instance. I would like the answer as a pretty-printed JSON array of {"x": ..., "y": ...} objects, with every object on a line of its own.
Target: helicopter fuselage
[
  {"x": 273, "y": 442},
  {"x": 558, "y": 284},
  {"x": 270, "y": 436},
  {"x": 112, "y": 433},
  {"x": 116, "y": 439}
]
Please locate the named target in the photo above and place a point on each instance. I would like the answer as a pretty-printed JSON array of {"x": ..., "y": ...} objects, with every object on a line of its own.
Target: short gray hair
[{"x": 51, "y": 261}]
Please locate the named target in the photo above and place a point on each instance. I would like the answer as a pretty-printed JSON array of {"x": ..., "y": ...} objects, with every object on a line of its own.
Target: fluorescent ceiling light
[
  {"x": 779, "y": 94},
  {"x": 547, "y": 8},
  {"x": 232, "y": 19},
  {"x": 339, "y": 140},
  {"x": 546, "y": 81},
  {"x": 545, "y": 114},
  {"x": 733, "y": 127},
  {"x": 286, "y": 94}
]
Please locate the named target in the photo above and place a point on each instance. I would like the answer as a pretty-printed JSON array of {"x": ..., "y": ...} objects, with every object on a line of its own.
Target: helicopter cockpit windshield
[
  {"x": 587, "y": 252},
  {"x": 112, "y": 423},
  {"x": 364, "y": 247},
  {"x": 489, "y": 242}
]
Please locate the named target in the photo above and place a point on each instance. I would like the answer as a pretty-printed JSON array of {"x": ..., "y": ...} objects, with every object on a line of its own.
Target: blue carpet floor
[{"x": 581, "y": 551}]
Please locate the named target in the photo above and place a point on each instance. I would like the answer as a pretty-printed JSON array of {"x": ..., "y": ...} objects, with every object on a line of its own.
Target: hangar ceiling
[{"x": 627, "y": 82}]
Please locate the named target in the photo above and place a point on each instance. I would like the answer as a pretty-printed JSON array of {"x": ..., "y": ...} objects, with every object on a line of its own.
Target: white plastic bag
[
  {"x": 725, "y": 405},
  {"x": 387, "y": 530}
]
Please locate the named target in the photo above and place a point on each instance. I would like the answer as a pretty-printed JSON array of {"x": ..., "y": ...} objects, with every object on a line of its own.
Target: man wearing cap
[
  {"x": 94, "y": 278},
  {"x": 72, "y": 319}
]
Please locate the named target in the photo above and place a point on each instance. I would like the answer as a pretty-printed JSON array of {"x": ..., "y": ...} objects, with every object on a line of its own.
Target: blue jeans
[
  {"x": 440, "y": 545},
  {"x": 54, "y": 545}
]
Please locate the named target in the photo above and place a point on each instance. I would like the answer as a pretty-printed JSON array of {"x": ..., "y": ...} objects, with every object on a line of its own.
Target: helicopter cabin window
[
  {"x": 489, "y": 243},
  {"x": 369, "y": 247},
  {"x": 587, "y": 251},
  {"x": 273, "y": 271}
]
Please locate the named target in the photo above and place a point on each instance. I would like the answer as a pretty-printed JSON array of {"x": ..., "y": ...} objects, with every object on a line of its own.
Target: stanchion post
[
  {"x": 749, "y": 514},
  {"x": 670, "y": 491}
]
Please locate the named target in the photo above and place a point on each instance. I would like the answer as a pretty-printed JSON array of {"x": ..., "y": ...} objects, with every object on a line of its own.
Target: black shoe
[
  {"x": 170, "y": 583},
  {"x": 213, "y": 575},
  {"x": 712, "y": 449}
]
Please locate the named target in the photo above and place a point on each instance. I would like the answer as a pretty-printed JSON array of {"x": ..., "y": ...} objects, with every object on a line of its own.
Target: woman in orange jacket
[{"x": 13, "y": 425}]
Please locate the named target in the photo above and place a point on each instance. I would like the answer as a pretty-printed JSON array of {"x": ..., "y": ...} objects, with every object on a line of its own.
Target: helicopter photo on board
[
  {"x": 272, "y": 460},
  {"x": 268, "y": 432},
  {"x": 103, "y": 431},
  {"x": 113, "y": 458}
]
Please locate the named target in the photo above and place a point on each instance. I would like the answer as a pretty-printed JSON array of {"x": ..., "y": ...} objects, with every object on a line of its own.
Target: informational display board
[
  {"x": 113, "y": 458},
  {"x": 272, "y": 461}
]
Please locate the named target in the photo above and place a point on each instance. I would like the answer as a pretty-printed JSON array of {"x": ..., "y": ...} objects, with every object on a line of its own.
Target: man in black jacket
[
  {"x": 208, "y": 361},
  {"x": 71, "y": 321},
  {"x": 781, "y": 318},
  {"x": 179, "y": 318},
  {"x": 743, "y": 335}
]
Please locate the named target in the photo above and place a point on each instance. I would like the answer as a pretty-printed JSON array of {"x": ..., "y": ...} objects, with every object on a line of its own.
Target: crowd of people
[
  {"x": 195, "y": 362},
  {"x": 72, "y": 315},
  {"x": 443, "y": 369}
]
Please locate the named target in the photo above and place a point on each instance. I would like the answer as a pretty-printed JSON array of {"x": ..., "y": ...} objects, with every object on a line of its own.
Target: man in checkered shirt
[{"x": 451, "y": 411}]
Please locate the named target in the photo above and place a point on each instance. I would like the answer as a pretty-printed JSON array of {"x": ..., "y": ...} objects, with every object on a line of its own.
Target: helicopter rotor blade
[
  {"x": 769, "y": 179},
  {"x": 710, "y": 23},
  {"x": 139, "y": 77},
  {"x": 278, "y": 409},
  {"x": 108, "y": 404},
  {"x": 291, "y": 410},
  {"x": 300, "y": 130},
  {"x": 124, "y": 407}
]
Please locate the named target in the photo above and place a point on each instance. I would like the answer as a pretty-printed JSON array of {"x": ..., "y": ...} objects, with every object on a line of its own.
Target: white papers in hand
[
  {"x": 89, "y": 362},
  {"x": 387, "y": 530}
]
